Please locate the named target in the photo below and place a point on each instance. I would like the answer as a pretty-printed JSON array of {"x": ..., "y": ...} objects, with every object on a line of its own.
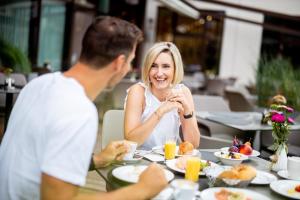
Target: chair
[
  {"x": 213, "y": 135},
  {"x": 112, "y": 127},
  {"x": 237, "y": 100},
  {"x": 119, "y": 93},
  {"x": 215, "y": 86}
]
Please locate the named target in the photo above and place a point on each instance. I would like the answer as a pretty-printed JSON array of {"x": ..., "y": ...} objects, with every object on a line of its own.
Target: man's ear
[{"x": 119, "y": 62}]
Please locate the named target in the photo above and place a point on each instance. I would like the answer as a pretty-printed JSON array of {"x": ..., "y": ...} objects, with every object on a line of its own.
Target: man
[{"x": 46, "y": 151}]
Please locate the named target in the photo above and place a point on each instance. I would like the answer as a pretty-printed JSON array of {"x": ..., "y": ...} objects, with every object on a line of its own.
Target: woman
[{"x": 156, "y": 108}]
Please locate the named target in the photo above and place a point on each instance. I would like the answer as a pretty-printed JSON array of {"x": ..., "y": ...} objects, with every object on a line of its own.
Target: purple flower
[
  {"x": 291, "y": 120},
  {"x": 289, "y": 109},
  {"x": 279, "y": 118}
]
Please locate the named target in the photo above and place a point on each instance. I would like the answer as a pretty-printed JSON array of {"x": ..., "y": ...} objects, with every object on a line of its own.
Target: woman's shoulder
[{"x": 137, "y": 89}]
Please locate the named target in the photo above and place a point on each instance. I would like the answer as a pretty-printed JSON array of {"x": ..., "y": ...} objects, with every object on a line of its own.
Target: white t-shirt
[
  {"x": 167, "y": 127},
  {"x": 52, "y": 129}
]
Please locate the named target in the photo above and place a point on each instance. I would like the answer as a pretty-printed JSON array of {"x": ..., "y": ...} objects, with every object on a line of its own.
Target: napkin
[
  {"x": 154, "y": 157},
  {"x": 164, "y": 194}
]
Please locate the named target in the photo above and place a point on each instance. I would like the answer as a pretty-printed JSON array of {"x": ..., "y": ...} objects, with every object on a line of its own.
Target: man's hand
[
  {"x": 152, "y": 180},
  {"x": 113, "y": 151}
]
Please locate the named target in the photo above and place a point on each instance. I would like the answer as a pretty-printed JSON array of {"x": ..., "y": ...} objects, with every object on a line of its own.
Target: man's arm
[{"x": 151, "y": 182}]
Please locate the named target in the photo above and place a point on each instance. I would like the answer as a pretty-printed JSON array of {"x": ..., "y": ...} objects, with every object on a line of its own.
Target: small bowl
[
  {"x": 226, "y": 160},
  {"x": 213, "y": 172}
]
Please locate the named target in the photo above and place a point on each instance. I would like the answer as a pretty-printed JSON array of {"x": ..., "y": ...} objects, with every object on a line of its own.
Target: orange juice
[
  {"x": 192, "y": 169},
  {"x": 170, "y": 150}
]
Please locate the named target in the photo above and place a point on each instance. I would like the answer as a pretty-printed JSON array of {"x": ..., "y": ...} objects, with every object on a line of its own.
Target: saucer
[{"x": 285, "y": 174}]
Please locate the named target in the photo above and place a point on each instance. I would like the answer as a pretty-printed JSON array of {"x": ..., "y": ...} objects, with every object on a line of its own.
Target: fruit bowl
[
  {"x": 230, "y": 158},
  {"x": 213, "y": 172}
]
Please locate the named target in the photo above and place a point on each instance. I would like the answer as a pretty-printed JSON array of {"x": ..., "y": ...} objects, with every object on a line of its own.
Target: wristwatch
[{"x": 188, "y": 115}]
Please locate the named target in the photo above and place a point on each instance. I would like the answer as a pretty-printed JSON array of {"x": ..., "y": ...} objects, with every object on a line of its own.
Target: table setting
[{"x": 199, "y": 174}]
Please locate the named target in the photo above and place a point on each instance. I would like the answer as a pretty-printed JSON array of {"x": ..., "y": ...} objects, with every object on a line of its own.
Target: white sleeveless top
[{"x": 167, "y": 126}]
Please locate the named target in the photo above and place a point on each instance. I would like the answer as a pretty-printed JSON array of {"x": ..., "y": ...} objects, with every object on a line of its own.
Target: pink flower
[
  {"x": 289, "y": 109},
  {"x": 279, "y": 118},
  {"x": 291, "y": 120}
]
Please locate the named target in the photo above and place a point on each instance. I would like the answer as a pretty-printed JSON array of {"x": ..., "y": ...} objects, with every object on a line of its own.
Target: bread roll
[
  {"x": 241, "y": 172},
  {"x": 185, "y": 148}
]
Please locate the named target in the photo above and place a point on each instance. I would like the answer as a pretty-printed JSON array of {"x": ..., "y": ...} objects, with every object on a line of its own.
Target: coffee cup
[
  {"x": 184, "y": 189},
  {"x": 132, "y": 147},
  {"x": 293, "y": 167}
]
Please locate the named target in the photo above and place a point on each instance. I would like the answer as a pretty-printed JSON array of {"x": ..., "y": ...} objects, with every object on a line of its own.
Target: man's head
[{"x": 106, "y": 39}]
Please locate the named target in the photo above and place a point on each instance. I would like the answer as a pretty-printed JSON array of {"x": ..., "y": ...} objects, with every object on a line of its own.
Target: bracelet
[
  {"x": 157, "y": 115},
  {"x": 188, "y": 115}
]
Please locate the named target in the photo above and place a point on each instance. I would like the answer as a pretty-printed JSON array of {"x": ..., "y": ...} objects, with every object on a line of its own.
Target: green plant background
[
  {"x": 14, "y": 58},
  {"x": 277, "y": 76}
]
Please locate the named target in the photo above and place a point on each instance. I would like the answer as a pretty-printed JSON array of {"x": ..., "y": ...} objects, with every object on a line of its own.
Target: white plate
[
  {"x": 133, "y": 160},
  {"x": 263, "y": 178},
  {"x": 254, "y": 152},
  {"x": 172, "y": 165},
  {"x": 285, "y": 174},
  {"x": 131, "y": 173},
  {"x": 160, "y": 150},
  {"x": 283, "y": 186},
  {"x": 209, "y": 194}
]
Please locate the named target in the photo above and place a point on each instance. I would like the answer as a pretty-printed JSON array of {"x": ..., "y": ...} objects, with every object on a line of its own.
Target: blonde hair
[{"x": 152, "y": 54}]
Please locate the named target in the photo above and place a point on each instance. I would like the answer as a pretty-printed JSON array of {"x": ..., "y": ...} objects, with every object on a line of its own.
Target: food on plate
[
  {"x": 185, "y": 148},
  {"x": 294, "y": 190},
  {"x": 238, "y": 147},
  {"x": 224, "y": 194},
  {"x": 297, "y": 188},
  {"x": 241, "y": 172},
  {"x": 181, "y": 163},
  {"x": 230, "y": 155}
]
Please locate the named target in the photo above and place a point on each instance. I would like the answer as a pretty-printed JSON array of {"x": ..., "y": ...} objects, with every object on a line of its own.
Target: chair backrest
[
  {"x": 119, "y": 93},
  {"x": 112, "y": 127},
  {"x": 210, "y": 103},
  {"x": 215, "y": 86},
  {"x": 20, "y": 79},
  {"x": 237, "y": 101}
]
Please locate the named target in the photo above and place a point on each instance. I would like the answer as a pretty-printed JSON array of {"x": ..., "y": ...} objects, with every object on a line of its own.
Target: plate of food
[
  {"x": 243, "y": 148},
  {"x": 131, "y": 173},
  {"x": 287, "y": 188},
  {"x": 179, "y": 164},
  {"x": 230, "y": 158},
  {"x": 263, "y": 178},
  {"x": 185, "y": 148},
  {"x": 228, "y": 176},
  {"x": 220, "y": 193}
]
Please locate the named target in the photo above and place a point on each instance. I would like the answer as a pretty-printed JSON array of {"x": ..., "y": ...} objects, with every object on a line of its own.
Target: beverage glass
[
  {"x": 170, "y": 149},
  {"x": 129, "y": 155},
  {"x": 192, "y": 169},
  {"x": 184, "y": 189}
]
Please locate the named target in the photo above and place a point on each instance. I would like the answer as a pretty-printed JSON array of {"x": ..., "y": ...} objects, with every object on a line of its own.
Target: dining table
[
  {"x": 113, "y": 183},
  {"x": 248, "y": 122}
]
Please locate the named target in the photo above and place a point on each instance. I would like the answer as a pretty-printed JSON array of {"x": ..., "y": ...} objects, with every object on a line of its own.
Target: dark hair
[{"x": 106, "y": 39}]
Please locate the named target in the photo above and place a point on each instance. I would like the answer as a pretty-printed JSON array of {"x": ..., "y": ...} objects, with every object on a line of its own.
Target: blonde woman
[{"x": 156, "y": 108}]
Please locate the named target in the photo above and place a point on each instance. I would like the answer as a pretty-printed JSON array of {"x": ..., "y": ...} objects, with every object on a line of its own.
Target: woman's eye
[
  {"x": 166, "y": 66},
  {"x": 154, "y": 66}
]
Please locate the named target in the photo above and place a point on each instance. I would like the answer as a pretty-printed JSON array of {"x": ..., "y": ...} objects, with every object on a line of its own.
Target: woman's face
[{"x": 162, "y": 71}]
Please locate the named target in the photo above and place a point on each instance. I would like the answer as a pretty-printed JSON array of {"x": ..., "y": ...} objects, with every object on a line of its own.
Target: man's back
[{"x": 52, "y": 130}]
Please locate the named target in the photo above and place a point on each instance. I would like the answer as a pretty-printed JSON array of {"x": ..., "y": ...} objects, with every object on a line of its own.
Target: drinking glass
[{"x": 192, "y": 169}]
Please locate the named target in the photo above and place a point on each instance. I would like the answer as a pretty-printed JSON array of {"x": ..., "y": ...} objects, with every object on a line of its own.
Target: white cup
[
  {"x": 184, "y": 189},
  {"x": 129, "y": 155},
  {"x": 293, "y": 167}
]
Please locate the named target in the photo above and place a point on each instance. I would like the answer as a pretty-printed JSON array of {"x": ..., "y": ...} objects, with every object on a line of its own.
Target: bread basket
[{"x": 213, "y": 173}]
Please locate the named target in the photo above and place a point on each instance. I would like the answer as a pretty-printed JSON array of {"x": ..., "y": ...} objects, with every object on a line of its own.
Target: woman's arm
[
  {"x": 135, "y": 130},
  {"x": 189, "y": 126}
]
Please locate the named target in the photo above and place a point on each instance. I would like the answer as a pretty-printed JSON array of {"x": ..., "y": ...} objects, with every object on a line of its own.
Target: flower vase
[{"x": 280, "y": 159}]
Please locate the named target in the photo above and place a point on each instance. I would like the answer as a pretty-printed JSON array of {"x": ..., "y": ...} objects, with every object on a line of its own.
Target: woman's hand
[
  {"x": 167, "y": 106},
  {"x": 180, "y": 97}
]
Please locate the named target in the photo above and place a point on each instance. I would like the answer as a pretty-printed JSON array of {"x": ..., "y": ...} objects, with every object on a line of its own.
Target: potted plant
[{"x": 277, "y": 76}]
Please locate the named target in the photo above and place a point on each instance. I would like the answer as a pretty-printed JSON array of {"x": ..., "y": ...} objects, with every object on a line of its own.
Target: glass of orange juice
[
  {"x": 170, "y": 148},
  {"x": 192, "y": 169}
]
